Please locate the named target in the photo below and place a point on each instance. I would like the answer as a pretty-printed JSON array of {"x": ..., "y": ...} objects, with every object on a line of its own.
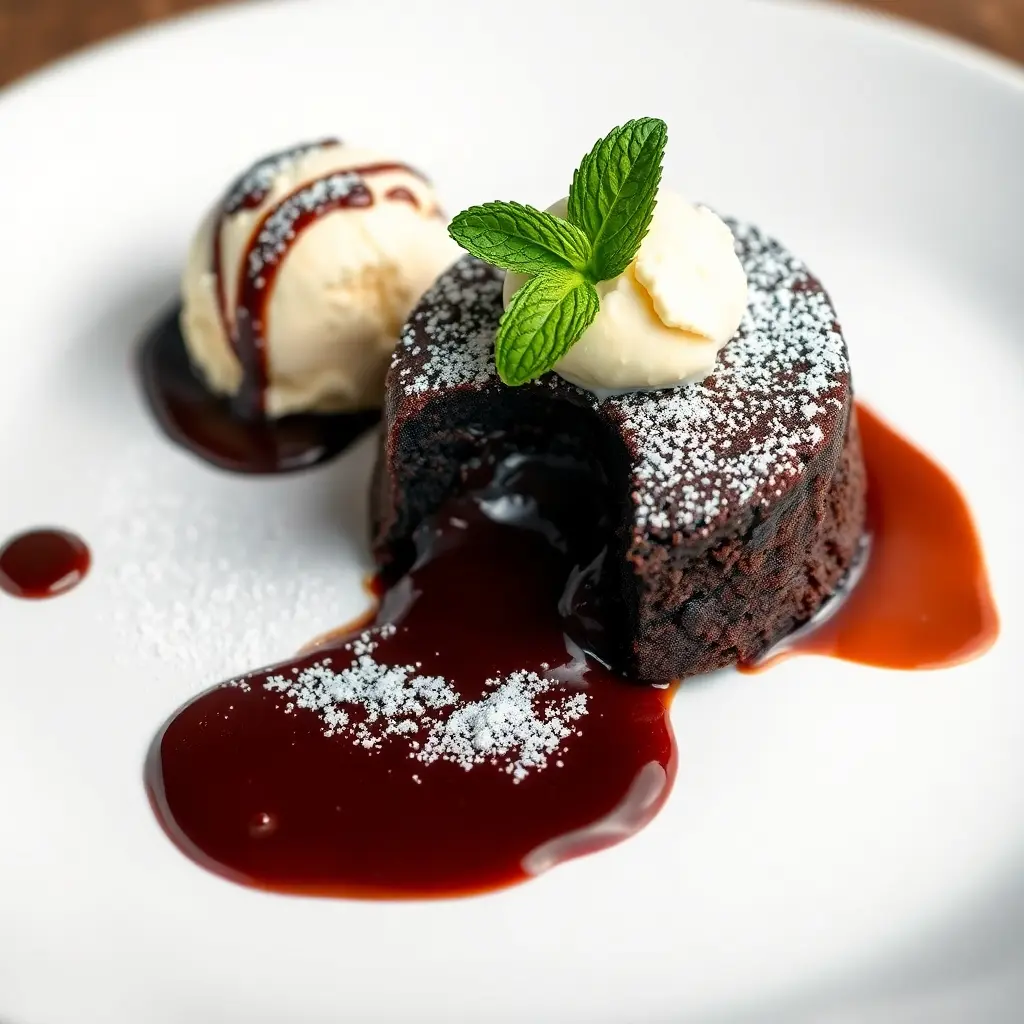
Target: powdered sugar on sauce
[{"x": 458, "y": 742}]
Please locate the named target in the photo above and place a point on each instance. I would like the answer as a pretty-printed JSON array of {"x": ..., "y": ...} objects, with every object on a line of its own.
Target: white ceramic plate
[{"x": 842, "y": 844}]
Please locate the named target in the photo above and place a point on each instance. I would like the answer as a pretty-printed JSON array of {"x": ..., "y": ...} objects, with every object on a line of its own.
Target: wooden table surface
[{"x": 33, "y": 32}]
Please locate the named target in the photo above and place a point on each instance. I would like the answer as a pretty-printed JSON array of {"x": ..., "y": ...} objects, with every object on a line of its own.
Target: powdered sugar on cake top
[
  {"x": 459, "y": 316},
  {"x": 698, "y": 452}
]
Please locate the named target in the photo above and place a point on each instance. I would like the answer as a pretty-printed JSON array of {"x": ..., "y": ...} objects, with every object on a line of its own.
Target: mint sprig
[
  {"x": 520, "y": 238},
  {"x": 549, "y": 308},
  {"x": 611, "y": 203},
  {"x": 614, "y": 190}
]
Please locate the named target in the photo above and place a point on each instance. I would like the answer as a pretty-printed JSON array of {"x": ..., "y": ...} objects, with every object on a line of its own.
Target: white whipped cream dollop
[
  {"x": 342, "y": 292},
  {"x": 664, "y": 319}
]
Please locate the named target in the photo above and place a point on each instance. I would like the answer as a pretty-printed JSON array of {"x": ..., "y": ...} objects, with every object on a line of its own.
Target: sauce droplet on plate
[{"x": 43, "y": 563}]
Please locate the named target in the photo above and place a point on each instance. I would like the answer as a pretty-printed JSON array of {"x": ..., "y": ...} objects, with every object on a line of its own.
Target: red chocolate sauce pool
[
  {"x": 257, "y": 792},
  {"x": 265, "y": 798},
  {"x": 42, "y": 563}
]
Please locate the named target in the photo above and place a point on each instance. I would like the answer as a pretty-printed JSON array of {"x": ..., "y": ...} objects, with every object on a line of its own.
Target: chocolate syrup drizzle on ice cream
[{"x": 273, "y": 238}]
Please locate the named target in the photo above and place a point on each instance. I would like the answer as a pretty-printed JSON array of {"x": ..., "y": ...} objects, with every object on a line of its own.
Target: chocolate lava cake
[{"x": 737, "y": 504}]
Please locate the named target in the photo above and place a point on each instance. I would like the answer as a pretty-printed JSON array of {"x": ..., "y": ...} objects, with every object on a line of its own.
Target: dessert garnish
[
  {"x": 621, "y": 286},
  {"x": 297, "y": 284},
  {"x": 300, "y": 278}
]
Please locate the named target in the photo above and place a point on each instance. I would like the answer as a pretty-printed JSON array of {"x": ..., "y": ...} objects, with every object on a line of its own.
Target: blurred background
[{"x": 34, "y": 32}]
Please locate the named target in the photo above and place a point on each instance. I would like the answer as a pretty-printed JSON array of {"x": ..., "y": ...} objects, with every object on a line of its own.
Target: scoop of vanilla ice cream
[
  {"x": 343, "y": 290},
  {"x": 663, "y": 320}
]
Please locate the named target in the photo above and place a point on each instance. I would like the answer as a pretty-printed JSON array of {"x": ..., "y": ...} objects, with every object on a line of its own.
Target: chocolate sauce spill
[
  {"x": 249, "y": 782},
  {"x": 921, "y": 599},
  {"x": 43, "y": 563},
  {"x": 206, "y": 424},
  {"x": 258, "y": 793}
]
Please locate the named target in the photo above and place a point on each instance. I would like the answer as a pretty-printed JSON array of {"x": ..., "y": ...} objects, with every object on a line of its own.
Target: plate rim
[{"x": 963, "y": 53}]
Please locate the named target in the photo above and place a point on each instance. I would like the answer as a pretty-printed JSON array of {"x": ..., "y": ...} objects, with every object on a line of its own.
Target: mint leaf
[
  {"x": 613, "y": 193},
  {"x": 545, "y": 318},
  {"x": 611, "y": 203},
  {"x": 520, "y": 238}
]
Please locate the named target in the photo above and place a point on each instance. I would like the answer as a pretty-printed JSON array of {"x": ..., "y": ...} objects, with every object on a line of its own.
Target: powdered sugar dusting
[
  {"x": 458, "y": 318},
  {"x": 512, "y": 724},
  {"x": 749, "y": 428},
  {"x": 194, "y": 586},
  {"x": 520, "y": 722},
  {"x": 699, "y": 452},
  {"x": 252, "y": 187},
  {"x": 278, "y": 230}
]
